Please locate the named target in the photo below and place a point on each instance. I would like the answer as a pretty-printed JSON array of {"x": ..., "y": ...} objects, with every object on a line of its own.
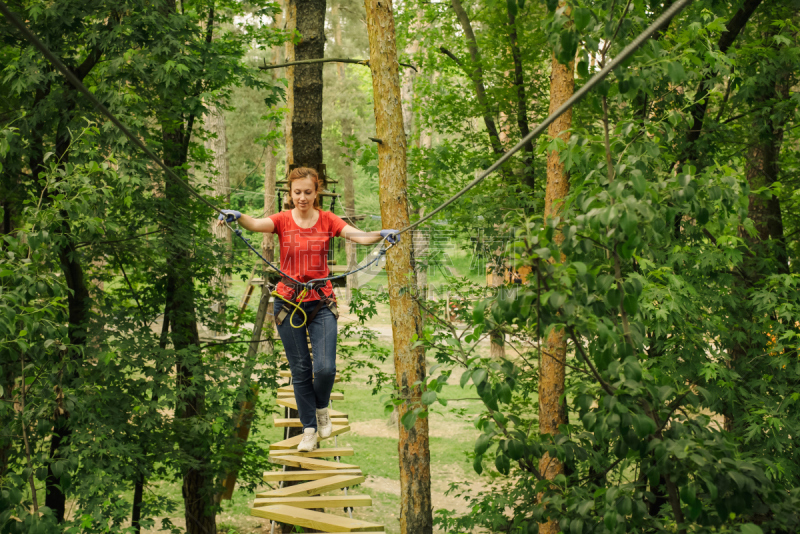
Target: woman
[{"x": 304, "y": 234}]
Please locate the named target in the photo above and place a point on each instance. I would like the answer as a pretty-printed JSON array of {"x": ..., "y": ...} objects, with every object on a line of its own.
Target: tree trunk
[
  {"x": 522, "y": 104},
  {"x": 476, "y": 75},
  {"x": 198, "y": 481},
  {"x": 304, "y": 100},
  {"x": 416, "y": 515},
  {"x": 305, "y": 82},
  {"x": 552, "y": 411},
  {"x": 218, "y": 146}
]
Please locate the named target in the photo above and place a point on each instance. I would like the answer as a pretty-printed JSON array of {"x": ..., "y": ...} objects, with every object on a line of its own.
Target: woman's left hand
[{"x": 392, "y": 236}]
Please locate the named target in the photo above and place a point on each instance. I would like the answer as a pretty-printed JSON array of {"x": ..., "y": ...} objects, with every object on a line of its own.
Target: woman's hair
[{"x": 298, "y": 174}]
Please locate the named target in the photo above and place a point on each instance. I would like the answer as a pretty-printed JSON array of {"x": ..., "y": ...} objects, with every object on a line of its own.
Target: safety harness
[{"x": 301, "y": 290}]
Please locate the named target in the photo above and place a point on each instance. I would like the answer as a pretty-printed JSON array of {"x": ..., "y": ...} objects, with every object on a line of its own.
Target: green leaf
[
  {"x": 556, "y": 300},
  {"x": 675, "y": 72},
  {"x": 688, "y": 494},
  {"x": 502, "y": 464},
  {"x": 583, "y": 69},
  {"x": 702, "y": 216},
  {"x": 613, "y": 297},
  {"x": 408, "y": 419},
  {"x": 569, "y": 46},
  {"x": 631, "y": 304},
  {"x": 643, "y": 425},
  {"x": 624, "y": 506},
  {"x": 516, "y": 449},
  {"x": 750, "y": 528},
  {"x": 610, "y": 520},
  {"x": 428, "y": 398},
  {"x": 464, "y": 379},
  {"x": 582, "y": 17},
  {"x": 482, "y": 443},
  {"x": 477, "y": 465},
  {"x": 478, "y": 376},
  {"x": 576, "y": 526}
]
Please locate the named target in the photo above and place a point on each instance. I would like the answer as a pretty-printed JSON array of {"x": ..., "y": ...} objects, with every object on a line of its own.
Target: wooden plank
[
  {"x": 277, "y": 476},
  {"x": 316, "y": 520},
  {"x": 294, "y": 422},
  {"x": 292, "y": 460},
  {"x": 315, "y": 487},
  {"x": 291, "y": 403},
  {"x": 293, "y": 442},
  {"x": 335, "y": 396},
  {"x": 333, "y": 501},
  {"x": 327, "y": 452}
]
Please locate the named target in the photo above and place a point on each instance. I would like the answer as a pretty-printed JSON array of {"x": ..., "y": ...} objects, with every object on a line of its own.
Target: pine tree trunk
[
  {"x": 304, "y": 100},
  {"x": 416, "y": 516},
  {"x": 218, "y": 146},
  {"x": 552, "y": 412},
  {"x": 305, "y": 82}
]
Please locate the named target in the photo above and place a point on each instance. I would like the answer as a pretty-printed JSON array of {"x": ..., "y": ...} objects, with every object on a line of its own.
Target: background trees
[{"x": 668, "y": 267}]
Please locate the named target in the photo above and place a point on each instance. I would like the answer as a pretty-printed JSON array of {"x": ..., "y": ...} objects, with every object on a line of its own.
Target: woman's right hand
[{"x": 228, "y": 216}]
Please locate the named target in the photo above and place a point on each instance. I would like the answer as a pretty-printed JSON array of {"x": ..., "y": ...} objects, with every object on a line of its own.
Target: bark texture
[
  {"x": 416, "y": 515},
  {"x": 305, "y": 82},
  {"x": 552, "y": 412},
  {"x": 217, "y": 144}
]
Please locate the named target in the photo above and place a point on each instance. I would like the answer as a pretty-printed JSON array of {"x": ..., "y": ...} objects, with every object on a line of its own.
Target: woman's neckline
[{"x": 304, "y": 227}]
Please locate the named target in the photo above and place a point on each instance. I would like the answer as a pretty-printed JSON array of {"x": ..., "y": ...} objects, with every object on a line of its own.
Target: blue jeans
[{"x": 312, "y": 380}]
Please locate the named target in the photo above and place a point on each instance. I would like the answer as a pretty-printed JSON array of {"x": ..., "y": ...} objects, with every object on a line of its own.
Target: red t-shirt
[{"x": 304, "y": 251}]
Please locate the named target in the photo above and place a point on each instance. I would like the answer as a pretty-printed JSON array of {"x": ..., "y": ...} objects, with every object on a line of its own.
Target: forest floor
[{"x": 374, "y": 439}]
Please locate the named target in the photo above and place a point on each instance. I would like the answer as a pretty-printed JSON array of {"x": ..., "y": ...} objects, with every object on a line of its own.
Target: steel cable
[{"x": 578, "y": 95}]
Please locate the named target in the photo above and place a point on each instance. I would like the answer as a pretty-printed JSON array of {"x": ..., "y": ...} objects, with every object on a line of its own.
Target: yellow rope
[{"x": 295, "y": 306}]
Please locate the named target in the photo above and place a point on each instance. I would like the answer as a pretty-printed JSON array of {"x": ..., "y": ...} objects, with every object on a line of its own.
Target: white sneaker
[
  {"x": 309, "y": 442},
  {"x": 324, "y": 425}
]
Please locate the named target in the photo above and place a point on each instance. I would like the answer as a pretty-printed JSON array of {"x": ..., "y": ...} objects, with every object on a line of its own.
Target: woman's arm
[
  {"x": 264, "y": 225},
  {"x": 365, "y": 238},
  {"x": 355, "y": 235},
  {"x": 248, "y": 223}
]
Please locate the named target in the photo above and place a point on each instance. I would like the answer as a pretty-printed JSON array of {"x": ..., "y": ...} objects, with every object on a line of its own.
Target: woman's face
[{"x": 303, "y": 193}]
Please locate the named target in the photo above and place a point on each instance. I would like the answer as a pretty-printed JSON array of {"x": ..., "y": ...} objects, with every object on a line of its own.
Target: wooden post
[
  {"x": 552, "y": 411},
  {"x": 416, "y": 514}
]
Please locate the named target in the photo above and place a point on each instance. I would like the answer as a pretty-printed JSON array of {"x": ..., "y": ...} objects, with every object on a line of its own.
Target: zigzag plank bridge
[{"x": 294, "y": 505}]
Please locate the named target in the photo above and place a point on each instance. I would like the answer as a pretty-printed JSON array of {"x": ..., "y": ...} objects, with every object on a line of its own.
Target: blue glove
[
  {"x": 391, "y": 236},
  {"x": 230, "y": 215}
]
